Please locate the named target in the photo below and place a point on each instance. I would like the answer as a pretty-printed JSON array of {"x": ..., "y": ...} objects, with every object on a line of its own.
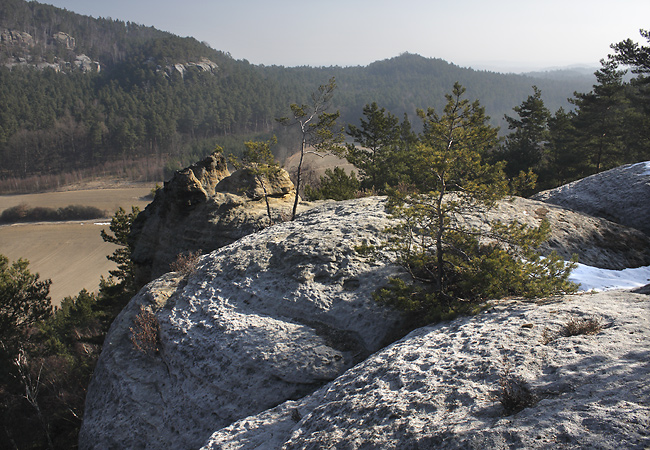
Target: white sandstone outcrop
[
  {"x": 620, "y": 195},
  {"x": 268, "y": 320},
  {"x": 439, "y": 387}
]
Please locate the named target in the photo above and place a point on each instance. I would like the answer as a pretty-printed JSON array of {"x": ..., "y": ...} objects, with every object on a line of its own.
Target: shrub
[
  {"x": 335, "y": 185},
  {"x": 576, "y": 327},
  {"x": 515, "y": 393},
  {"x": 145, "y": 332},
  {"x": 186, "y": 263},
  {"x": 25, "y": 213}
]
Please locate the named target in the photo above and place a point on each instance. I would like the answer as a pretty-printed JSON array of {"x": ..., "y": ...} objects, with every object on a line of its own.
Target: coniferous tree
[
  {"x": 24, "y": 300},
  {"x": 564, "y": 163},
  {"x": 121, "y": 285},
  {"x": 336, "y": 185},
  {"x": 524, "y": 148},
  {"x": 374, "y": 141},
  {"x": 600, "y": 119},
  {"x": 451, "y": 262}
]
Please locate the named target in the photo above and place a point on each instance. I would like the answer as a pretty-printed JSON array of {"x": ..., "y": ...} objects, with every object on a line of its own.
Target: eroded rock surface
[
  {"x": 440, "y": 386},
  {"x": 621, "y": 195},
  {"x": 202, "y": 208},
  {"x": 268, "y": 319},
  {"x": 596, "y": 241}
]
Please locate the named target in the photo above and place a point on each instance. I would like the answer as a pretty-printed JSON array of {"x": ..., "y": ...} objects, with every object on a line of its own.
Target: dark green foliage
[
  {"x": 453, "y": 265},
  {"x": 25, "y": 213},
  {"x": 336, "y": 185},
  {"x": 121, "y": 283},
  {"x": 139, "y": 106},
  {"x": 24, "y": 300},
  {"x": 43, "y": 380},
  {"x": 374, "y": 141},
  {"x": 54, "y": 366},
  {"x": 632, "y": 54},
  {"x": 600, "y": 122},
  {"x": 525, "y": 145}
]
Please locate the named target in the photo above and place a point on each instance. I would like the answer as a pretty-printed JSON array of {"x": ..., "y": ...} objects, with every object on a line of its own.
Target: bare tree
[{"x": 318, "y": 128}]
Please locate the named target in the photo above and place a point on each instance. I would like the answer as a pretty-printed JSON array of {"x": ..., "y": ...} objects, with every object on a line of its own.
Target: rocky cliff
[
  {"x": 262, "y": 323},
  {"x": 202, "y": 208},
  {"x": 268, "y": 319}
]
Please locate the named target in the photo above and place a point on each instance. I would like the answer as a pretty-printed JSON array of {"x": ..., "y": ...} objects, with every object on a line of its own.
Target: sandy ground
[{"x": 71, "y": 254}]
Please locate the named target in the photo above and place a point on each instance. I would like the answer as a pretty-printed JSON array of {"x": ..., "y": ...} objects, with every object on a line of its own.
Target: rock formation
[
  {"x": 202, "y": 208},
  {"x": 596, "y": 241},
  {"x": 440, "y": 387},
  {"x": 620, "y": 195},
  {"x": 264, "y": 322}
]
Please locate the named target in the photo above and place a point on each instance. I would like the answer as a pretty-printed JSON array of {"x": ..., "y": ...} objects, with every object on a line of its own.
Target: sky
[{"x": 498, "y": 35}]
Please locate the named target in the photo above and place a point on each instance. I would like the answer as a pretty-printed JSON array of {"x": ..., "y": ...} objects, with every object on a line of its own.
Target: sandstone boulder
[
  {"x": 266, "y": 320},
  {"x": 621, "y": 195},
  {"x": 596, "y": 241},
  {"x": 202, "y": 208}
]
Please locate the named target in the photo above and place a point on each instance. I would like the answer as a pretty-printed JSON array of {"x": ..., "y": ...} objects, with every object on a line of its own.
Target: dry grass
[
  {"x": 186, "y": 263},
  {"x": 514, "y": 393},
  {"x": 576, "y": 327},
  {"x": 145, "y": 332},
  {"x": 573, "y": 327}
]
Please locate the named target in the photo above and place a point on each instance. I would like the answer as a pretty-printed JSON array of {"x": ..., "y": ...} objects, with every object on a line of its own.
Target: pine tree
[
  {"x": 525, "y": 145},
  {"x": 120, "y": 226},
  {"x": 374, "y": 140},
  {"x": 600, "y": 120},
  {"x": 450, "y": 262}
]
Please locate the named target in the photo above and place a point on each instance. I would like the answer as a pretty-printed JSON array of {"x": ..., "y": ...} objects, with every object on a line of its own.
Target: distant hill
[{"x": 79, "y": 92}]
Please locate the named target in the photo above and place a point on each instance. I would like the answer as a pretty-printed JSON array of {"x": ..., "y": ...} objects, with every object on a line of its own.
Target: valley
[{"x": 72, "y": 254}]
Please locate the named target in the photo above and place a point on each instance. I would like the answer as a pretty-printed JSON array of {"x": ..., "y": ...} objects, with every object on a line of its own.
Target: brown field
[{"x": 71, "y": 254}]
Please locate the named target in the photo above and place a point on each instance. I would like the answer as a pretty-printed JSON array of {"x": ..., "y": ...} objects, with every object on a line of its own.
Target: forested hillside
[{"x": 79, "y": 93}]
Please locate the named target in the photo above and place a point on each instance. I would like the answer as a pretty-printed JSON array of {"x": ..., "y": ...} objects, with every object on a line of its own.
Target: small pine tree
[
  {"x": 452, "y": 264},
  {"x": 335, "y": 185},
  {"x": 259, "y": 159}
]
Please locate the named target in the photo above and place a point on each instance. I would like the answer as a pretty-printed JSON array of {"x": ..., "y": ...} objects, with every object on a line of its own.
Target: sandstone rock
[
  {"x": 275, "y": 315},
  {"x": 597, "y": 242},
  {"x": 14, "y": 37},
  {"x": 621, "y": 195},
  {"x": 203, "y": 207},
  {"x": 268, "y": 319},
  {"x": 65, "y": 39},
  {"x": 245, "y": 182},
  {"x": 439, "y": 387}
]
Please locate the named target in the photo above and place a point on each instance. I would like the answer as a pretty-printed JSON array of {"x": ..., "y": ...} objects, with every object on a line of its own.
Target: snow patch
[{"x": 592, "y": 278}]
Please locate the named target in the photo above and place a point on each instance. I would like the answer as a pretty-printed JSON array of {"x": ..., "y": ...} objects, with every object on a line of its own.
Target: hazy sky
[{"x": 501, "y": 35}]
